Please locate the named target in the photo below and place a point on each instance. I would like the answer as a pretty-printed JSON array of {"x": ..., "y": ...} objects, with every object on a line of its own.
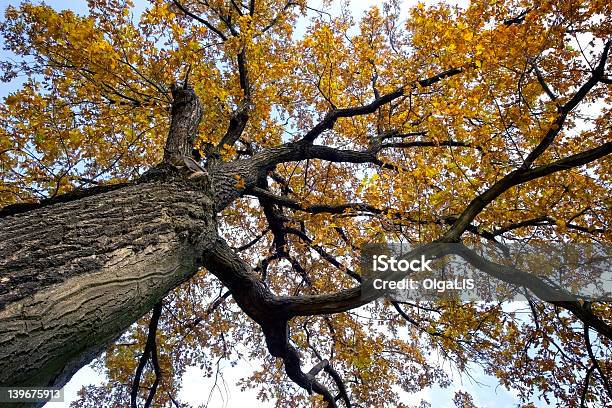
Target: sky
[{"x": 197, "y": 389}]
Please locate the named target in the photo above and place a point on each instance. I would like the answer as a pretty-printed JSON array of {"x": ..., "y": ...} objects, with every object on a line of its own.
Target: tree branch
[
  {"x": 587, "y": 341},
  {"x": 405, "y": 145},
  {"x": 200, "y": 19},
  {"x": 274, "y": 20},
  {"x": 186, "y": 115},
  {"x": 564, "y": 110},
  {"x": 149, "y": 350},
  {"x": 518, "y": 19},
  {"x": 515, "y": 178},
  {"x": 585, "y": 387},
  {"x": 555, "y": 296},
  {"x": 543, "y": 83},
  {"x": 285, "y": 201},
  {"x": 330, "y": 370},
  {"x": 330, "y": 119},
  {"x": 73, "y": 195}
]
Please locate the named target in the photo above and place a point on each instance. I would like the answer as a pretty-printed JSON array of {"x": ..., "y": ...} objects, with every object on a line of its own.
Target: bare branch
[
  {"x": 587, "y": 341},
  {"x": 585, "y": 387},
  {"x": 313, "y": 209},
  {"x": 274, "y": 20},
  {"x": 150, "y": 350},
  {"x": 405, "y": 145},
  {"x": 253, "y": 241},
  {"x": 543, "y": 220},
  {"x": 540, "y": 288},
  {"x": 518, "y": 19},
  {"x": 324, "y": 254}
]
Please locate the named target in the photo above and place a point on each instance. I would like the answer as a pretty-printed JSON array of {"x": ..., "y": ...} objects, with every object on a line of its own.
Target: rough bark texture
[
  {"x": 75, "y": 275},
  {"x": 186, "y": 116},
  {"x": 76, "y": 272}
]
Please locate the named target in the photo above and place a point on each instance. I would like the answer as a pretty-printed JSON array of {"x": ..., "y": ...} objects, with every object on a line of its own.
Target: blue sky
[{"x": 78, "y": 6}]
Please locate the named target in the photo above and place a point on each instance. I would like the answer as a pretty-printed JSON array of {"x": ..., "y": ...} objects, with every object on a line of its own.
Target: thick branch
[
  {"x": 326, "y": 365},
  {"x": 517, "y": 177},
  {"x": 331, "y": 118},
  {"x": 186, "y": 115},
  {"x": 277, "y": 339},
  {"x": 256, "y": 300},
  {"x": 540, "y": 288},
  {"x": 237, "y": 124},
  {"x": 73, "y": 195},
  {"x": 564, "y": 110}
]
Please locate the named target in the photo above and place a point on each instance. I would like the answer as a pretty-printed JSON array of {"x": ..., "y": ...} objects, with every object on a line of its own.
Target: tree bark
[
  {"x": 77, "y": 271},
  {"x": 186, "y": 115},
  {"x": 75, "y": 275}
]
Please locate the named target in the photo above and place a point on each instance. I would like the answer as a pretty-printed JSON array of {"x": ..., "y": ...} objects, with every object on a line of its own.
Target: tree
[{"x": 204, "y": 161}]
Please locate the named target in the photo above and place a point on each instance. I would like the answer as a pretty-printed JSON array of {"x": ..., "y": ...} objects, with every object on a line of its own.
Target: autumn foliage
[{"x": 519, "y": 85}]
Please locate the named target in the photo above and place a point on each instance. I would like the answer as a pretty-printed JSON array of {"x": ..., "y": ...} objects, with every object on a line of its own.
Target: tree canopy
[{"x": 405, "y": 124}]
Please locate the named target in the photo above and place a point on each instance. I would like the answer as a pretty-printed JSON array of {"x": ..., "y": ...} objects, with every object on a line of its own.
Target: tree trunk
[{"x": 75, "y": 275}]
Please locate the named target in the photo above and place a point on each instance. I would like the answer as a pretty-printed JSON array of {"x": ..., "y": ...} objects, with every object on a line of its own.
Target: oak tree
[{"x": 192, "y": 183}]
